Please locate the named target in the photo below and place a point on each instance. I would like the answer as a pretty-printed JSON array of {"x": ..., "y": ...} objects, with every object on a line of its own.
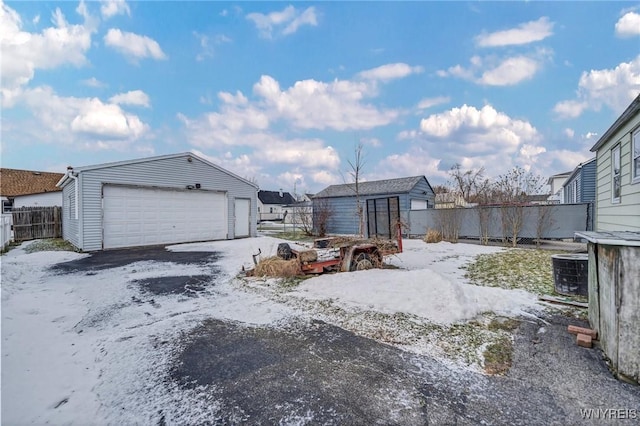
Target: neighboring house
[
  {"x": 397, "y": 196},
  {"x": 29, "y": 188},
  {"x": 159, "y": 200},
  {"x": 618, "y": 173},
  {"x": 449, "y": 200},
  {"x": 580, "y": 186},
  {"x": 555, "y": 183},
  {"x": 272, "y": 205}
]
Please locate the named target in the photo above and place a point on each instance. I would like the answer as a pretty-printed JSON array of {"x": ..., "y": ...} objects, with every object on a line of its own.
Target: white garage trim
[{"x": 142, "y": 216}]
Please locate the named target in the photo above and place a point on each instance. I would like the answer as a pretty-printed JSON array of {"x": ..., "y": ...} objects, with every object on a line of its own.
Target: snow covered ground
[{"x": 88, "y": 347}]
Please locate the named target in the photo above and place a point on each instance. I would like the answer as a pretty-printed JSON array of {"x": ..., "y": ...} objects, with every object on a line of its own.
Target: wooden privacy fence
[{"x": 30, "y": 223}]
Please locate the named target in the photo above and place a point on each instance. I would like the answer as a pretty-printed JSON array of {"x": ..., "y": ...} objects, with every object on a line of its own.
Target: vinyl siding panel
[
  {"x": 70, "y": 226},
  {"x": 588, "y": 186},
  {"x": 174, "y": 173},
  {"x": 623, "y": 216}
]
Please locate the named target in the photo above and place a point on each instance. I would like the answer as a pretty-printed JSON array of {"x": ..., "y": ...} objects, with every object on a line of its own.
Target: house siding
[
  {"x": 174, "y": 173},
  {"x": 70, "y": 225},
  {"x": 625, "y": 215},
  {"x": 45, "y": 199},
  {"x": 585, "y": 177}
]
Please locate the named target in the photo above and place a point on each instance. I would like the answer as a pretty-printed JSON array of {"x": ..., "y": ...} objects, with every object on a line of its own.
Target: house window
[
  {"x": 574, "y": 191},
  {"x": 7, "y": 205},
  {"x": 635, "y": 161},
  {"x": 270, "y": 209},
  {"x": 616, "y": 181}
]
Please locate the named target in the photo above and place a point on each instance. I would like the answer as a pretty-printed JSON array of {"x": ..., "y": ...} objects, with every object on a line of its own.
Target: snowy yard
[{"x": 96, "y": 346}]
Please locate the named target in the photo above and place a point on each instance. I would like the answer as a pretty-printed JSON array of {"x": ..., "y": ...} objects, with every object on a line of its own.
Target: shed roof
[
  {"x": 77, "y": 170},
  {"x": 627, "y": 115},
  {"x": 275, "y": 197},
  {"x": 15, "y": 182},
  {"x": 376, "y": 187}
]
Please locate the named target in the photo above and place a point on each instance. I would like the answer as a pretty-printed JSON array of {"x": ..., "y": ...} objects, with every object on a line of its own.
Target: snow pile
[
  {"x": 424, "y": 293},
  {"x": 429, "y": 284}
]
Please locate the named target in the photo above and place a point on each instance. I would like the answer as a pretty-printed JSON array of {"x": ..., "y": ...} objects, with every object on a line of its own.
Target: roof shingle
[
  {"x": 14, "y": 182},
  {"x": 274, "y": 197},
  {"x": 387, "y": 186}
]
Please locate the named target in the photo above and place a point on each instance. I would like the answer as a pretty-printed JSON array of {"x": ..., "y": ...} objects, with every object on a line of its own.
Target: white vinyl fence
[{"x": 5, "y": 231}]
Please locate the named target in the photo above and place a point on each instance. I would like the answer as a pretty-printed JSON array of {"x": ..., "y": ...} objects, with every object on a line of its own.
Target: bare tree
[
  {"x": 356, "y": 166},
  {"x": 512, "y": 190},
  {"x": 544, "y": 222},
  {"x": 449, "y": 222},
  {"x": 303, "y": 217},
  {"x": 322, "y": 213},
  {"x": 468, "y": 183}
]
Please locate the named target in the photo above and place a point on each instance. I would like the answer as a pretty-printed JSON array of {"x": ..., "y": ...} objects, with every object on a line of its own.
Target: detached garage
[{"x": 159, "y": 200}]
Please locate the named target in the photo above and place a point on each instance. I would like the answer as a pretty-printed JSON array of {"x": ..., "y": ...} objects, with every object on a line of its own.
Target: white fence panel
[{"x": 5, "y": 231}]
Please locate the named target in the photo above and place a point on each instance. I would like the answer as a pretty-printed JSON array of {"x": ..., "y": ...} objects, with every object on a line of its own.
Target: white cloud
[
  {"x": 427, "y": 103},
  {"x": 614, "y": 88},
  {"x": 93, "y": 82},
  {"x": 494, "y": 71},
  {"x": 133, "y": 97},
  {"x": 83, "y": 121},
  {"x": 311, "y": 104},
  {"x": 284, "y": 22},
  {"x": 111, "y": 8},
  {"x": 390, "y": 72},
  {"x": 207, "y": 44},
  {"x": 525, "y": 33},
  {"x": 570, "y": 133},
  {"x": 132, "y": 45},
  {"x": 325, "y": 178},
  {"x": 24, "y": 52},
  {"x": 308, "y": 17},
  {"x": 417, "y": 161},
  {"x": 511, "y": 71},
  {"x": 628, "y": 25},
  {"x": 299, "y": 152},
  {"x": 474, "y": 138}
]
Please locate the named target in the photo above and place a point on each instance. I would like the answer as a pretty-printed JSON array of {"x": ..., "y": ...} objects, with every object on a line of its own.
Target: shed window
[
  {"x": 616, "y": 181},
  {"x": 635, "y": 161}
]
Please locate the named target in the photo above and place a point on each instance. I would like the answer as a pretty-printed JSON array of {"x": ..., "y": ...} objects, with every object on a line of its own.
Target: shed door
[
  {"x": 243, "y": 210},
  {"x": 134, "y": 216}
]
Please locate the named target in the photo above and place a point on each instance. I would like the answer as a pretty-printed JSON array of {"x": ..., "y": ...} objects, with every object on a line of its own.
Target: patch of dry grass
[
  {"x": 432, "y": 236},
  {"x": 526, "y": 269},
  {"x": 277, "y": 267}
]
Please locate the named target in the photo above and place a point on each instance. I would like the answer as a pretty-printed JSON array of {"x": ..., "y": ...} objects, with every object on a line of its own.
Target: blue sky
[{"x": 281, "y": 93}]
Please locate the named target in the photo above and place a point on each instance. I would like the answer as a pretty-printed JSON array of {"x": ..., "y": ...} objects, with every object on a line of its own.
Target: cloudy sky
[{"x": 281, "y": 93}]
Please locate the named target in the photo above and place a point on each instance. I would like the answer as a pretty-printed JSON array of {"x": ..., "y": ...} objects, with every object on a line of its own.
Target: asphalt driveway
[{"x": 221, "y": 368}]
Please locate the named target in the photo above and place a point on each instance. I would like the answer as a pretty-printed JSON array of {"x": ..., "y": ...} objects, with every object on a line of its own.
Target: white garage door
[{"x": 145, "y": 216}]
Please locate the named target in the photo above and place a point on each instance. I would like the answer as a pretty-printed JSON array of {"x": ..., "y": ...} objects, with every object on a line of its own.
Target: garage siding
[
  {"x": 69, "y": 223},
  {"x": 174, "y": 172}
]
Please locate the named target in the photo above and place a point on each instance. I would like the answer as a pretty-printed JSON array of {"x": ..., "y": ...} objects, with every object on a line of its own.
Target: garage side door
[
  {"x": 147, "y": 216},
  {"x": 243, "y": 211}
]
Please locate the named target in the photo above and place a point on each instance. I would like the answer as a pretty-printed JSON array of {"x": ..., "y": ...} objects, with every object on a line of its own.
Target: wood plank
[{"x": 563, "y": 301}]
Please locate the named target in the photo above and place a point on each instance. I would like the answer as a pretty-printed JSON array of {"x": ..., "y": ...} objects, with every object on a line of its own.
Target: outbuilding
[
  {"x": 383, "y": 203},
  {"x": 167, "y": 199}
]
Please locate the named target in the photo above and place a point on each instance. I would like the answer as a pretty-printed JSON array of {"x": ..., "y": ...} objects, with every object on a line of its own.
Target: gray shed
[
  {"x": 381, "y": 200},
  {"x": 614, "y": 297},
  {"x": 158, "y": 200}
]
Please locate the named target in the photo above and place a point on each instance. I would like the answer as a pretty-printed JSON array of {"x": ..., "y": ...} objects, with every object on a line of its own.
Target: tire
[
  {"x": 284, "y": 251},
  {"x": 362, "y": 261}
]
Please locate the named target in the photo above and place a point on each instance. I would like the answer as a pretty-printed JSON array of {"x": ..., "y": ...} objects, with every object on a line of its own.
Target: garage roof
[{"x": 77, "y": 170}]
